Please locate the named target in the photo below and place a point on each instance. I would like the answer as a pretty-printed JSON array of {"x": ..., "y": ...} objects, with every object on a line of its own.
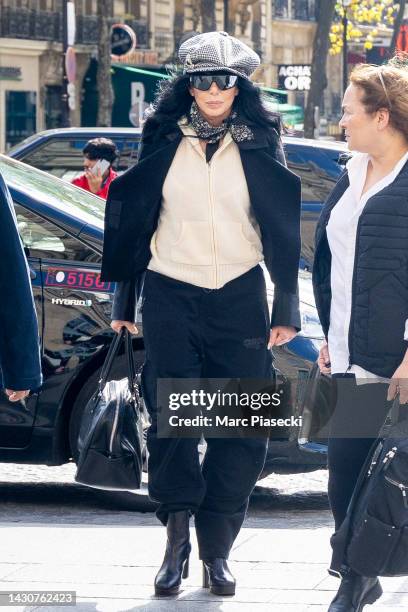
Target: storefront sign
[
  {"x": 294, "y": 77},
  {"x": 10, "y": 73}
]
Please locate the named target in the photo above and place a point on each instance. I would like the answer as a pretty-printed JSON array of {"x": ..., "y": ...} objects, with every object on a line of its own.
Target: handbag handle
[
  {"x": 130, "y": 358},
  {"x": 112, "y": 353}
]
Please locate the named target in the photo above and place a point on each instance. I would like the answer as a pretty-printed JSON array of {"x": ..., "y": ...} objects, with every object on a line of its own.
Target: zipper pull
[
  {"x": 388, "y": 458},
  {"x": 390, "y": 455},
  {"x": 404, "y": 496}
]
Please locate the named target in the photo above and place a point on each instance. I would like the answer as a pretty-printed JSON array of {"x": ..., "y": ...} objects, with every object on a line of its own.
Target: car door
[
  {"x": 17, "y": 418},
  {"x": 75, "y": 305}
]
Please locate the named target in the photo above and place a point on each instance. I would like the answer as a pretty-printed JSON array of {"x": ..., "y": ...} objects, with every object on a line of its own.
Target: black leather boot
[
  {"x": 217, "y": 577},
  {"x": 175, "y": 562},
  {"x": 355, "y": 592}
]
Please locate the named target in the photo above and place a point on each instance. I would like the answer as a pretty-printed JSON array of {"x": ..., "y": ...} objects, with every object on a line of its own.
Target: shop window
[
  {"x": 300, "y": 98},
  {"x": 53, "y": 114},
  {"x": 282, "y": 9},
  {"x": 304, "y": 10},
  {"x": 21, "y": 107},
  {"x": 133, "y": 8}
]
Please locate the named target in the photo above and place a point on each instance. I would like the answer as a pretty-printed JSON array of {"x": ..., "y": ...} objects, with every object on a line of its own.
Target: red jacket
[{"x": 82, "y": 181}]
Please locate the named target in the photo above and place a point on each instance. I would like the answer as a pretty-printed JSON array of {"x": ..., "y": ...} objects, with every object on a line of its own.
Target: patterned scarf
[{"x": 213, "y": 134}]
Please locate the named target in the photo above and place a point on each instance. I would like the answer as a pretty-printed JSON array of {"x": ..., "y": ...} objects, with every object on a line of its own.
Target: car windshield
[{"x": 56, "y": 193}]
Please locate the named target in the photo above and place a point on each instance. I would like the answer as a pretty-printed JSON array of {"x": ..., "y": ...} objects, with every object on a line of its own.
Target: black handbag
[
  {"x": 111, "y": 436},
  {"x": 373, "y": 538}
]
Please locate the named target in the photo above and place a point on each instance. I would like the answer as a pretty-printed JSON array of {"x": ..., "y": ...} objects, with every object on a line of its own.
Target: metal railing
[
  {"x": 46, "y": 25},
  {"x": 28, "y": 24}
]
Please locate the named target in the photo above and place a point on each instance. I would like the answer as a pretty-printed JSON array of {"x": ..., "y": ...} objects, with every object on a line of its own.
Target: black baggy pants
[
  {"x": 360, "y": 412},
  {"x": 192, "y": 332}
]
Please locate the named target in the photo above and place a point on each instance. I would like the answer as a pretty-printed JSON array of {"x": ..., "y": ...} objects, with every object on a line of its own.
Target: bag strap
[
  {"x": 130, "y": 362},
  {"x": 397, "y": 427},
  {"x": 112, "y": 353},
  {"x": 110, "y": 357}
]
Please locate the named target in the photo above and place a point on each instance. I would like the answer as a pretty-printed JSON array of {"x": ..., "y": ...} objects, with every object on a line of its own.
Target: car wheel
[{"x": 119, "y": 500}]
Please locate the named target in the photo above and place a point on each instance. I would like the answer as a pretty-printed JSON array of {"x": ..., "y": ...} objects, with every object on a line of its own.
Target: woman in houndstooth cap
[{"x": 210, "y": 199}]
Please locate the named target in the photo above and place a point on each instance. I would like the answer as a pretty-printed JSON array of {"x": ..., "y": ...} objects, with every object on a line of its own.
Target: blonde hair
[{"x": 385, "y": 86}]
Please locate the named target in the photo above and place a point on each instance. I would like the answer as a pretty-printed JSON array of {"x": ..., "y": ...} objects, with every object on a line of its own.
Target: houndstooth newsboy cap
[{"x": 214, "y": 51}]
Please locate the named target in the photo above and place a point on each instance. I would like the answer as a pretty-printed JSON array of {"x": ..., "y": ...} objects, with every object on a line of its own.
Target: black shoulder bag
[
  {"x": 111, "y": 433},
  {"x": 373, "y": 538}
]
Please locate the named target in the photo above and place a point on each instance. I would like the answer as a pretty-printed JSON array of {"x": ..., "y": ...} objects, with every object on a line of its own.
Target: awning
[
  {"x": 291, "y": 114},
  {"x": 142, "y": 71},
  {"x": 124, "y": 75},
  {"x": 280, "y": 94},
  {"x": 163, "y": 75}
]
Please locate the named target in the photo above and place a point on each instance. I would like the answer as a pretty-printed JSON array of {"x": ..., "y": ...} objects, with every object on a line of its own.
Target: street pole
[
  {"x": 345, "y": 51},
  {"x": 346, "y": 4},
  {"x": 226, "y": 24},
  {"x": 64, "y": 97}
]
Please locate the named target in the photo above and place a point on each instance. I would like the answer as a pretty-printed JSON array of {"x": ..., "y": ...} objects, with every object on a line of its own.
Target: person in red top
[{"x": 97, "y": 182}]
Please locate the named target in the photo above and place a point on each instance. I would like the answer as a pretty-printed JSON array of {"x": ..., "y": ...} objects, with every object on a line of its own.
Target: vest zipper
[
  {"x": 353, "y": 286},
  {"x": 212, "y": 225}
]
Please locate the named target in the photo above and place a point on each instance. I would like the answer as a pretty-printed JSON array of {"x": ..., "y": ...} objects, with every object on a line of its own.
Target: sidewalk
[{"x": 110, "y": 560}]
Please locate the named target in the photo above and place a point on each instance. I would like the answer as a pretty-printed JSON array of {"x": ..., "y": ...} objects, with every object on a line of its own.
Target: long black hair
[{"x": 173, "y": 101}]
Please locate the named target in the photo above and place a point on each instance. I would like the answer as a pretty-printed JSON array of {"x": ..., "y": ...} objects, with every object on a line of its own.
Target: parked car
[
  {"x": 315, "y": 161},
  {"x": 62, "y": 231}
]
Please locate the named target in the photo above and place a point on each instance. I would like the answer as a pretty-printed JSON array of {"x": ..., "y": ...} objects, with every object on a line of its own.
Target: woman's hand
[
  {"x": 94, "y": 180},
  {"x": 117, "y": 326},
  {"x": 280, "y": 334},
  {"x": 16, "y": 396},
  {"x": 399, "y": 383},
  {"x": 324, "y": 359}
]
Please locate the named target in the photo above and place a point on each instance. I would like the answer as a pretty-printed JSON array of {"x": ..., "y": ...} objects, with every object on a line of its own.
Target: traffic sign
[{"x": 123, "y": 40}]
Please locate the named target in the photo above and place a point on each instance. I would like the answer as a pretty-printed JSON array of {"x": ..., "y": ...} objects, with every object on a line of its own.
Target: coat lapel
[{"x": 143, "y": 183}]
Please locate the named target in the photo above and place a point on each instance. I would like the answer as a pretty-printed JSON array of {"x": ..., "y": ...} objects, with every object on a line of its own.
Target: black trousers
[
  {"x": 192, "y": 332},
  {"x": 360, "y": 411}
]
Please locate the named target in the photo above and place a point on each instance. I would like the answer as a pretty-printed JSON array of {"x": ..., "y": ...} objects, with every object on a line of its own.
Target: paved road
[
  {"x": 34, "y": 490},
  {"x": 58, "y": 535}
]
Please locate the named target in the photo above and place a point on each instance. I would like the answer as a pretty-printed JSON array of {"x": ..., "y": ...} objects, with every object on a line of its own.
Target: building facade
[{"x": 281, "y": 31}]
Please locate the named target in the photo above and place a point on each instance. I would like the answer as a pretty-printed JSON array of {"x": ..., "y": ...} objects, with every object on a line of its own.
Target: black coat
[
  {"x": 19, "y": 341},
  {"x": 133, "y": 208},
  {"x": 379, "y": 306}
]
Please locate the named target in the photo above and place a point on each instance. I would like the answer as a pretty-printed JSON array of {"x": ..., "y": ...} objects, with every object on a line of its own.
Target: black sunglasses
[{"x": 204, "y": 81}]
